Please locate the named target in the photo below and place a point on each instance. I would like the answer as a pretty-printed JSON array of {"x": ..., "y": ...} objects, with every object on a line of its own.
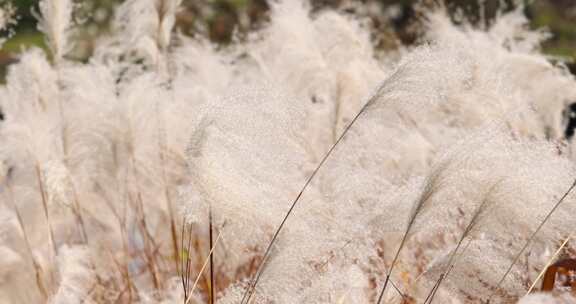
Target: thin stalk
[
  {"x": 173, "y": 228},
  {"x": 162, "y": 157},
  {"x": 402, "y": 294},
  {"x": 517, "y": 257},
  {"x": 550, "y": 261},
  {"x": 206, "y": 276},
  {"x": 79, "y": 217},
  {"x": 188, "y": 260},
  {"x": 443, "y": 275},
  {"x": 77, "y": 210},
  {"x": 425, "y": 196},
  {"x": 202, "y": 269},
  {"x": 391, "y": 268},
  {"x": 148, "y": 243},
  {"x": 451, "y": 259},
  {"x": 150, "y": 256},
  {"x": 45, "y": 207},
  {"x": 267, "y": 252},
  {"x": 181, "y": 263},
  {"x": 37, "y": 268},
  {"x": 63, "y": 130},
  {"x": 126, "y": 270},
  {"x": 62, "y": 114},
  {"x": 212, "y": 279},
  {"x": 459, "y": 255},
  {"x": 337, "y": 110},
  {"x": 162, "y": 11},
  {"x": 432, "y": 292}
]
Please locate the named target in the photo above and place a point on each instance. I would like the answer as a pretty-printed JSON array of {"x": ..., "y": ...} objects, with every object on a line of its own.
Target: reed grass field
[{"x": 321, "y": 154}]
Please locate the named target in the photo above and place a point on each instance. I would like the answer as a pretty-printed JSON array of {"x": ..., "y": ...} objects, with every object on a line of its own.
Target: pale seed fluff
[
  {"x": 445, "y": 157},
  {"x": 55, "y": 22},
  {"x": 76, "y": 276}
]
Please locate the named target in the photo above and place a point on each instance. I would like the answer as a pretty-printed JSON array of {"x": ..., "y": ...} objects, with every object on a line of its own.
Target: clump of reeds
[{"x": 293, "y": 166}]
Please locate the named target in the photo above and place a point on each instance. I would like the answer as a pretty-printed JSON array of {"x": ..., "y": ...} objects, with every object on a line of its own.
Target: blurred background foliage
[{"x": 221, "y": 20}]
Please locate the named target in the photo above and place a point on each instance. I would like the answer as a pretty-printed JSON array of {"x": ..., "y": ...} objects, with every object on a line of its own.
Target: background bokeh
[{"x": 220, "y": 20}]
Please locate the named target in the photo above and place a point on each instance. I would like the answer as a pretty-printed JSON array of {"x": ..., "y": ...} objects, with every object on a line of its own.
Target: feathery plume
[{"x": 55, "y": 21}]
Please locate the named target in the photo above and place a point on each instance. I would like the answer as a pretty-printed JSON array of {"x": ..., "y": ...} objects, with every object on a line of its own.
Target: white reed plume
[{"x": 55, "y": 21}]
